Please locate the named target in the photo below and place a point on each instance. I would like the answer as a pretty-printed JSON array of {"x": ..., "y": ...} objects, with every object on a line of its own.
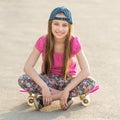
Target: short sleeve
[
  {"x": 40, "y": 44},
  {"x": 76, "y": 45}
]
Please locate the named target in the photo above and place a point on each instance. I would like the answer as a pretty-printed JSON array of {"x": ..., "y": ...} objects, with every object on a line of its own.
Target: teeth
[{"x": 59, "y": 33}]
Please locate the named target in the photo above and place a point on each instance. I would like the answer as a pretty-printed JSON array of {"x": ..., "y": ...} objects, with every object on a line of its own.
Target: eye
[
  {"x": 55, "y": 23},
  {"x": 65, "y": 25}
]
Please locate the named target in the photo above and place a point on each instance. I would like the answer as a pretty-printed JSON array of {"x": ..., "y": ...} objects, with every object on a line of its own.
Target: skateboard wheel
[
  {"x": 30, "y": 101},
  {"x": 85, "y": 100}
]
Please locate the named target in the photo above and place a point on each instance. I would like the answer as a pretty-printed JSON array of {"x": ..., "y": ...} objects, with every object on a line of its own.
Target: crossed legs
[{"x": 56, "y": 86}]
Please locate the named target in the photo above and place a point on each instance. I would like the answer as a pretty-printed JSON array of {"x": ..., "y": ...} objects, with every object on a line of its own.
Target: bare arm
[
  {"x": 30, "y": 71},
  {"x": 29, "y": 67},
  {"x": 85, "y": 71}
]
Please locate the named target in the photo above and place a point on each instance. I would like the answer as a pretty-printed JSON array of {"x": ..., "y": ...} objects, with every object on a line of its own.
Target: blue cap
[{"x": 59, "y": 10}]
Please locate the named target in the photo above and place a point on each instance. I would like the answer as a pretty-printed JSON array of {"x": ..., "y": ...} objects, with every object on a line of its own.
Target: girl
[{"x": 58, "y": 80}]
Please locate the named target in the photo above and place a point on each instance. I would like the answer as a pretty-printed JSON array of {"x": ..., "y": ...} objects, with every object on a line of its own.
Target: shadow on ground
[{"x": 22, "y": 112}]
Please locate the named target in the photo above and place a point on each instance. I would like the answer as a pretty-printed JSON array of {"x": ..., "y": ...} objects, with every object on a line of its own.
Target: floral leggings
[{"x": 56, "y": 82}]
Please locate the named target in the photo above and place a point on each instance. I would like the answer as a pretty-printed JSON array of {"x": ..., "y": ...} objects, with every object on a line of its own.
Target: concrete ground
[{"x": 97, "y": 23}]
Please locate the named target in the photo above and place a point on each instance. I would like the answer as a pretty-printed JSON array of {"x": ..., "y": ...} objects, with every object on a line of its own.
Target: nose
[{"x": 60, "y": 28}]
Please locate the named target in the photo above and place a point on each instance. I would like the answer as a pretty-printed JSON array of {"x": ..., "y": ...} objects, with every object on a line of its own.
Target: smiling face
[{"x": 60, "y": 28}]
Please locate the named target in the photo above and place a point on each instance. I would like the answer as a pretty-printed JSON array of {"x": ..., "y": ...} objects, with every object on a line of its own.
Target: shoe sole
[
  {"x": 36, "y": 104},
  {"x": 70, "y": 102}
]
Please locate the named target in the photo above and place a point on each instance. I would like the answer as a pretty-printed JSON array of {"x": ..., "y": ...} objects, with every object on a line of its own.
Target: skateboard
[
  {"x": 30, "y": 98},
  {"x": 84, "y": 99}
]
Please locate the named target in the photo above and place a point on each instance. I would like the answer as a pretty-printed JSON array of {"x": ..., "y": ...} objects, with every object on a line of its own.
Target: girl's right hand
[{"x": 47, "y": 98}]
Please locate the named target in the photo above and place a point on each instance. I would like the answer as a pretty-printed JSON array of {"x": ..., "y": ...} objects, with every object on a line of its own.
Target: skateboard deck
[{"x": 85, "y": 99}]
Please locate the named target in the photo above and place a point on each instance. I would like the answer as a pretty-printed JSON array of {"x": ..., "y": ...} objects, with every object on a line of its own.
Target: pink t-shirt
[{"x": 58, "y": 57}]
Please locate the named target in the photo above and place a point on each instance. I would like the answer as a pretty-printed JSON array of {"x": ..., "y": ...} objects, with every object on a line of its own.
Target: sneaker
[
  {"x": 69, "y": 102},
  {"x": 38, "y": 102}
]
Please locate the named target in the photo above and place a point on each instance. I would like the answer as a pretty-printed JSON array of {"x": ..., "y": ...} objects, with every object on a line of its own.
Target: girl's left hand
[{"x": 63, "y": 100}]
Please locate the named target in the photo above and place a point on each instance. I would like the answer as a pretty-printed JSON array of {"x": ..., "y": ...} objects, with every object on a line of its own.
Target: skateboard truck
[{"x": 85, "y": 99}]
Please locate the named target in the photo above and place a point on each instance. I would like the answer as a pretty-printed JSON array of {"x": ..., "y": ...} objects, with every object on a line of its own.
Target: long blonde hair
[{"x": 49, "y": 51}]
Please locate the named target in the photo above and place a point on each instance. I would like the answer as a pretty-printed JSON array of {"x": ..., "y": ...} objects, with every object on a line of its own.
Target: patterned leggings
[{"x": 56, "y": 82}]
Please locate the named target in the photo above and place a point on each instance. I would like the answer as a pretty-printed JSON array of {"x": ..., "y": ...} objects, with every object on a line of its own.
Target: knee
[
  {"x": 22, "y": 80},
  {"x": 90, "y": 80}
]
